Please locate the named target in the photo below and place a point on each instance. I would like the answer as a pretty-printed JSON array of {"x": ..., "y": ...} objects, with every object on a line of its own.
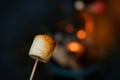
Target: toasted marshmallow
[{"x": 42, "y": 48}]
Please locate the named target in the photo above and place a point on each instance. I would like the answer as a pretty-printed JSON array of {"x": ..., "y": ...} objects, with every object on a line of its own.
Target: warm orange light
[
  {"x": 81, "y": 34},
  {"x": 89, "y": 25},
  {"x": 75, "y": 47}
]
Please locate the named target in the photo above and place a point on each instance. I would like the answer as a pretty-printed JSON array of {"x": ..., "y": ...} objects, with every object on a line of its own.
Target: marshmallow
[{"x": 42, "y": 48}]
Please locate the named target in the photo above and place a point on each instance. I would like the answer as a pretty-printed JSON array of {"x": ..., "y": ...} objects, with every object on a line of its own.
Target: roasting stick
[{"x": 34, "y": 68}]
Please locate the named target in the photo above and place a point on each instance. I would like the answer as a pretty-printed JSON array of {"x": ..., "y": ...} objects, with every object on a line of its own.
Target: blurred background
[{"x": 86, "y": 33}]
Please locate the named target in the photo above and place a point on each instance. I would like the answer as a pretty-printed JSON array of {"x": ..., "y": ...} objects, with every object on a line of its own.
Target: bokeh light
[
  {"x": 79, "y": 5},
  {"x": 75, "y": 47},
  {"x": 97, "y": 7},
  {"x": 89, "y": 24},
  {"x": 81, "y": 34}
]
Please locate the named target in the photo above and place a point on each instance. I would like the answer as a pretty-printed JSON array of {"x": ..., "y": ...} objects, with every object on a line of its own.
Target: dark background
[{"x": 21, "y": 20}]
